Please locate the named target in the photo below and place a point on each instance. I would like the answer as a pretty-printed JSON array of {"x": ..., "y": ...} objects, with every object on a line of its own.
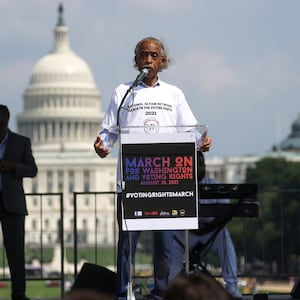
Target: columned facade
[{"x": 62, "y": 116}]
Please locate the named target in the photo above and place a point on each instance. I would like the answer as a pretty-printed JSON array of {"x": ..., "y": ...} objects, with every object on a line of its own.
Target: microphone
[{"x": 140, "y": 77}]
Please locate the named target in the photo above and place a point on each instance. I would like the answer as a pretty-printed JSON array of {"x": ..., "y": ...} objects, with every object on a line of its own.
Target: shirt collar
[{"x": 157, "y": 83}]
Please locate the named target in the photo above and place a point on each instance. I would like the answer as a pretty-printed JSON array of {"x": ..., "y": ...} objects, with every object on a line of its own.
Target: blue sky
[{"x": 237, "y": 61}]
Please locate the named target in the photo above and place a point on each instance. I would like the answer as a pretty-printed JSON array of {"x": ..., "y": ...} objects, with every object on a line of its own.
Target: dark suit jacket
[{"x": 18, "y": 150}]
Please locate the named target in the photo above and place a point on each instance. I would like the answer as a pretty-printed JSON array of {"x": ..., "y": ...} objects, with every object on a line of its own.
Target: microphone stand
[
  {"x": 130, "y": 294},
  {"x": 186, "y": 251},
  {"x": 120, "y": 106},
  {"x": 139, "y": 78}
]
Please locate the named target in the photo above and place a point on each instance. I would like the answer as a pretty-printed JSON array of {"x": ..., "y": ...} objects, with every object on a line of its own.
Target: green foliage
[
  {"x": 274, "y": 173},
  {"x": 274, "y": 234}
]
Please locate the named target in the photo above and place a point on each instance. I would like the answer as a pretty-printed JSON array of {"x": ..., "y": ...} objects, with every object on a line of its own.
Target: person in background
[
  {"x": 16, "y": 162},
  {"x": 145, "y": 107},
  {"x": 222, "y": 244},
  {"x": 195, "y": 286},
  {"x": 94, "y": 282}
]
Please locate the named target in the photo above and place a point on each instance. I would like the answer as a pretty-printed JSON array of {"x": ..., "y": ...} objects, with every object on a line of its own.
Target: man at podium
[{"x": 147, "y": 102}]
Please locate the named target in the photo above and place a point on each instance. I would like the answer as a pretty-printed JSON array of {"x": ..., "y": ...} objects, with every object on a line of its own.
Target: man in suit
[{"x": 16, "y": 162}]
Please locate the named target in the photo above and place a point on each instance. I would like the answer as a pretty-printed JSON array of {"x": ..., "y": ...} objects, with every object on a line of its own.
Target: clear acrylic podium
[{"x": 157, "y": 173}]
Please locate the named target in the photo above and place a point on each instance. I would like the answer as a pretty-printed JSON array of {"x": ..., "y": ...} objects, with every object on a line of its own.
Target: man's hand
[
  {"x": 7, "y": 166},
  {"x": 99, "y": 148},
  {"x": 205, "y": 146}
]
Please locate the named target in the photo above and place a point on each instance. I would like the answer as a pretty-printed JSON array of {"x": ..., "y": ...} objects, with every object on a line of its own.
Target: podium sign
[{"x": 159, "y": 186}]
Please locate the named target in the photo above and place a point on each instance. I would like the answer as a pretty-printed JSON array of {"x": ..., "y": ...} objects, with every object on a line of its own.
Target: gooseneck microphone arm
[
  {"x": 139, "y": 78},
  {"x": 119, "y": 108}
]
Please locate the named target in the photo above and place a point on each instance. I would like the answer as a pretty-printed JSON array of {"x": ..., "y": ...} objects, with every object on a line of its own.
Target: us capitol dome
[
  {"x": 62, "y": 116},
  {"x": 62, "y": 102}
]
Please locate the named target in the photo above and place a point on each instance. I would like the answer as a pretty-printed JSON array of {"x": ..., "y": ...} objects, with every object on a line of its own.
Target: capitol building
[{"x": 62, "y": 116}]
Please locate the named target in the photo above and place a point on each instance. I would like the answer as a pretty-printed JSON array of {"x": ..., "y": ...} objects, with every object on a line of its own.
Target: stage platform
[
  {"x": 245, "y": 297},
  {"x": 270, "y": 297}
]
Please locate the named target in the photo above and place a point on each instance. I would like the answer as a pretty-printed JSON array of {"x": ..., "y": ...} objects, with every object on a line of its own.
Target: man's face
[{"x": 149, "y": 56}]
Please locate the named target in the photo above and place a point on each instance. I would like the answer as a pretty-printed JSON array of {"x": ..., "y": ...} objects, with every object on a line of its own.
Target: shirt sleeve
[
  {"x": 185, "y": 115},
  {"x": 110, "y": 117},
  {"x": 109, "y": 138}
]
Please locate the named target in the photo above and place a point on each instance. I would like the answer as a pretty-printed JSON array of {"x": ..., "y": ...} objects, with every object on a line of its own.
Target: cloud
[
  {"x": 264, "y": 77},
  {"x": 209, "y": 72},
  {"x": 272, "y": 74},
  {"x": 14, "y": 79}
]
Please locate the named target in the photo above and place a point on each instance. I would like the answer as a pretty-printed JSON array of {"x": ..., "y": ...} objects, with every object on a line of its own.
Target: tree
[{"x": 273, "y": 235}]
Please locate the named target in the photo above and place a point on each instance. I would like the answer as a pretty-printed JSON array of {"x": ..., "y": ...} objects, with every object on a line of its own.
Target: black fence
[
  {"x": 41, "y": 239},
  {"x": 86, "y": 230}
]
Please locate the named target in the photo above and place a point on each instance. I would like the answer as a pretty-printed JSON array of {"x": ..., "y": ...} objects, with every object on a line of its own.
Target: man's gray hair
[{"x": 164, "y": 51}]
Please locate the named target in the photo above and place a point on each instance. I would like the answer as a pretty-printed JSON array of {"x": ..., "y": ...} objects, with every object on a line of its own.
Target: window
[
  {"x": 86, "y": 181},
  {"x": 60, "y": 178},
  {"x": 35, "y": 201},
  {"x": 49, "y": 179},
  {"x": 71, "y": 181},
  {"x": 84, "y": 224},
  {"x": 33, "y": 224},
  {"x": 34, "y": 185},
  {"x": 46, "y": 224}
]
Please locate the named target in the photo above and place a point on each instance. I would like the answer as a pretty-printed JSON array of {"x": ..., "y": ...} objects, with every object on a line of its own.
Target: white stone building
[{"x": 62, "y": 116}]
